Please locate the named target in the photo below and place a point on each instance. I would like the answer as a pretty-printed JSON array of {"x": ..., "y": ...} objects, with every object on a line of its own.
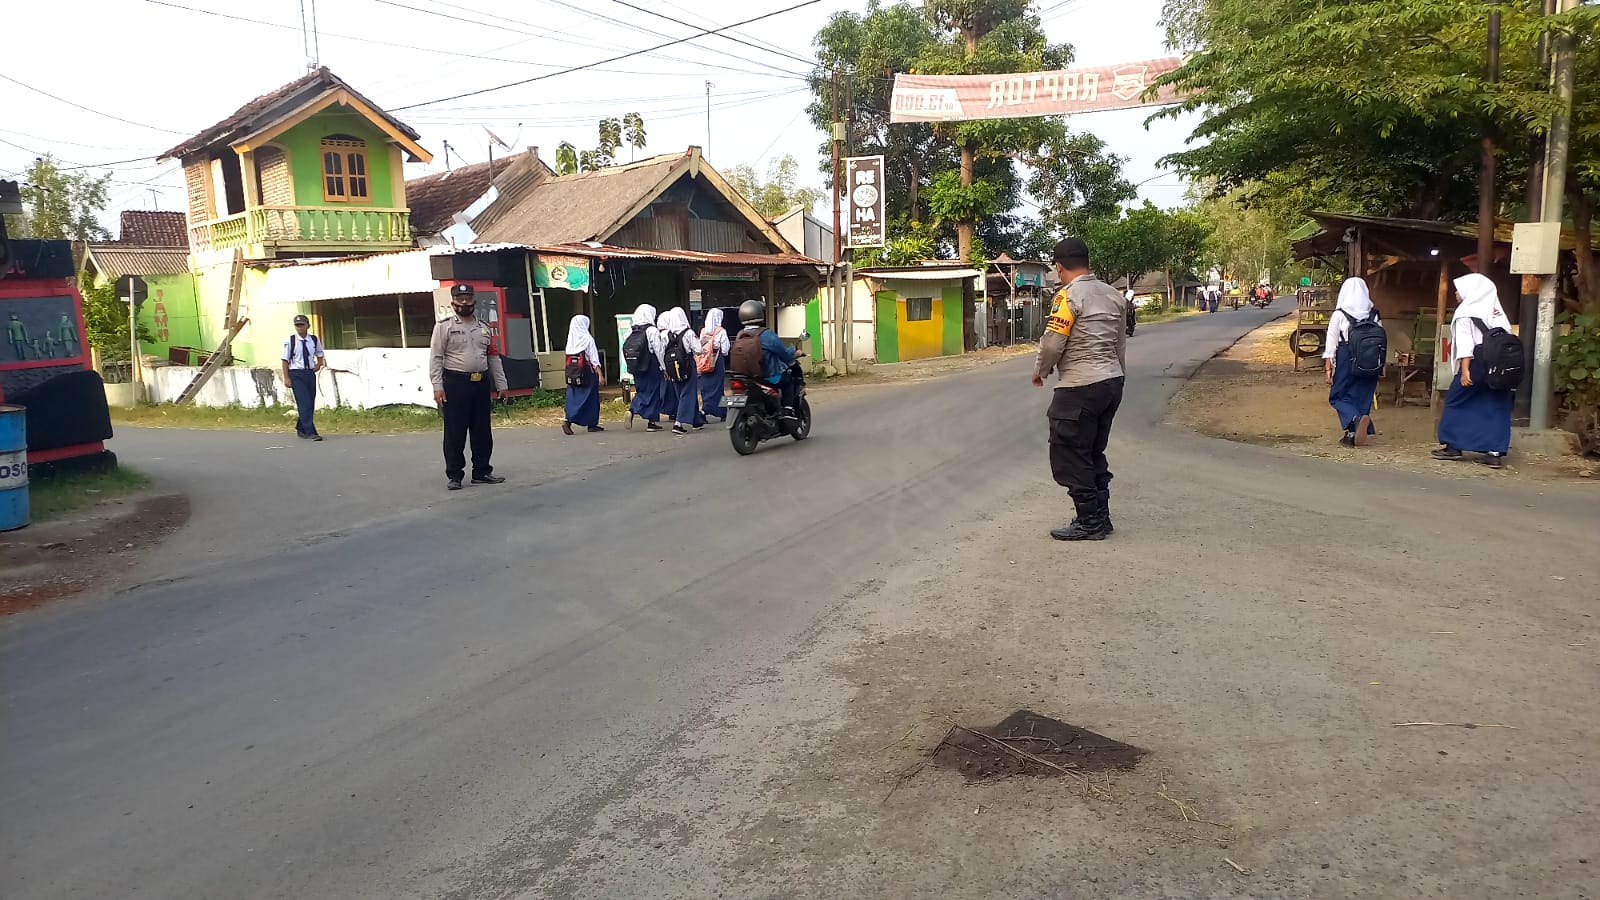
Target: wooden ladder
[{"x": 219, "y": 358}]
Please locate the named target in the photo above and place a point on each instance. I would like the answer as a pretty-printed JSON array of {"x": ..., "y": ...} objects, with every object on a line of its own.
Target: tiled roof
[
  {"x": 153, "y": 228},
  {"x": 117, "y": 260},
  {"x": 258, "y": 112},
  {"x": 580, "y": 207},
  {"x": 435, "y": 199}
]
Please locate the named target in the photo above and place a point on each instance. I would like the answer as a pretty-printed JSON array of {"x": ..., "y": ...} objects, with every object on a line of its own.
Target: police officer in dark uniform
[{"x": 462, "y": 361}]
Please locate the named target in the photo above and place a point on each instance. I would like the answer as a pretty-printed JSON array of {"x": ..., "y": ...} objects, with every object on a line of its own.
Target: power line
[
  {"x": 708, "y": 19},
  {"x": 613, "y": 59},
  {"x": 726, "y": 37},
  {"x": 85, "y": 108},
  {"x": 652, "y": 32}
]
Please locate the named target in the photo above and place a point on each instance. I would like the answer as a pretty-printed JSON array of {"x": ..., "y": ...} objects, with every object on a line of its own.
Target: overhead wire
[
  {"x": 86, "y": 108},
  {"x": 613, "y": 59},
  {"x": 726, "y": 37}
]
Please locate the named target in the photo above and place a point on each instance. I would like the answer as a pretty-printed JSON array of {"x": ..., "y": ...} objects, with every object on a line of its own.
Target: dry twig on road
[{"x": 1450, "y": 725}]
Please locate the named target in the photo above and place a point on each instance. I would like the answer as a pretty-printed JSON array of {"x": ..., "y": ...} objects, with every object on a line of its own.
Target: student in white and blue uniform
[
  {"x": 302, "y": 360},
  {"x": 714, "y": 342},
  {"x": 583, "y": 401},
  {"x": 1349, "y": 394},
  {"x": 1476, "y": 418}
]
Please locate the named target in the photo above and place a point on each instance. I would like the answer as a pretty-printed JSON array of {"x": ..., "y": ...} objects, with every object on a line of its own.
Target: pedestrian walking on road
[
  {"x": 1476, "y": 417},
  {"x": 462, "y": 361},
  {"x": 302, "y": 360},
  {"x": 642, "y": 350},
  {"x": 1351, "y": 387},
  {"x": 584, "y": 377},
  {"x": 1085, "y": 346},
  {"x": 713, "y": 365},
  {"x": 680, "y": 362}
]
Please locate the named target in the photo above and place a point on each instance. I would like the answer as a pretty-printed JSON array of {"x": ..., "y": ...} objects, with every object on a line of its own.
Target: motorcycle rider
[{"x": 776, "y": 356}]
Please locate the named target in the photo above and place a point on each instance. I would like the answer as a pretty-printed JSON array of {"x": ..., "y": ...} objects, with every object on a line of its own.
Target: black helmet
[{"x": 752, "y": 312}]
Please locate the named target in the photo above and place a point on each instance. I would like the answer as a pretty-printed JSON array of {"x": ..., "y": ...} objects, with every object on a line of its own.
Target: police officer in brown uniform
[
  {"x": 1085, "y": 346},
  {"x": 461, "y": 362}
]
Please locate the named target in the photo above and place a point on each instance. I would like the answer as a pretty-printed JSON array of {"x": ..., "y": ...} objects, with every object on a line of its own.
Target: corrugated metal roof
[
  {"x": 919, "y": 273},
  {"x": 116, "y": 260},
  {"x": 604, "y": 251}
]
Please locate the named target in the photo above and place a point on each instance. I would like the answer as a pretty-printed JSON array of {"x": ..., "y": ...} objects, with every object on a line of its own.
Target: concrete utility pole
[
  {"x": 1555, "y": 186},
  {"x": 842, "y": 288},
  {"x": 1486, "y": 178}
]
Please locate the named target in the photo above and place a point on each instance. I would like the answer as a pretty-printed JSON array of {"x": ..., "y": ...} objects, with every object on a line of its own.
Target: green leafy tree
[
  {"x": 778, "y": 192},
  {"x": 1075, "y": 183},
  {"x": 105, "y": 320},
  {"x": 60, "y": 205},
  {"x": 613, "y": 133}
]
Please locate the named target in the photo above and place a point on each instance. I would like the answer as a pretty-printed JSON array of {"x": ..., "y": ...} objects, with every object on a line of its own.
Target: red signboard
[{"x": 960, "y": 98}]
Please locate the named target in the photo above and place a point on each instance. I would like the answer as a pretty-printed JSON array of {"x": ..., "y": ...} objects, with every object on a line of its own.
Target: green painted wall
[
  {"x": 814, "y": 328},
  {"x": 171, "y": 314},
  {"x": 304, "y": 145},
  {"x": 887, "y": 333},
  {"x": 953, "y": 345}
]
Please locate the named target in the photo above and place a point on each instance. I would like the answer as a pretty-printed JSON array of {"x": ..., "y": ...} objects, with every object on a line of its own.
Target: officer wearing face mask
[{"x": 461, "y": 362}]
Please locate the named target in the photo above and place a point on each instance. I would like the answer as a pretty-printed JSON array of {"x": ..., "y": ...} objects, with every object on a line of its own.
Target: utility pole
[
  {"x": 1486, "y": 179},
  {"x": 850, "y": 254},
  {"x": 708, "y": 117},
  {"x": 1555, "y": 185},
  {"x": 1528, "y": 300},
  {"x": 843, "y": 289}
]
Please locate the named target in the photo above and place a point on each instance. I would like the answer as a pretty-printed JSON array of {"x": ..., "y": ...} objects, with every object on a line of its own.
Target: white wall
[{"x": 358, "y": 379}]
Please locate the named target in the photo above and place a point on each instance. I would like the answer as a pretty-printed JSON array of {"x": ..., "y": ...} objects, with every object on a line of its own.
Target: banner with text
[
  {"x": 960, "y": 98},
  {"x": 864, "y": 191}
]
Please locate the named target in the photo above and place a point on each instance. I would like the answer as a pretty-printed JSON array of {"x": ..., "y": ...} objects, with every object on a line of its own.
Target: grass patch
[
  {"x": 1148, "y": 316},
  {"x": 63, "y": 492},
  {"x": 541, "y": 408}
]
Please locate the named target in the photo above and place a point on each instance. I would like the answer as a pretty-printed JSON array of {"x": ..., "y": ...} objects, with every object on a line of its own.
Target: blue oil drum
[{"x": 13, "y": 467}]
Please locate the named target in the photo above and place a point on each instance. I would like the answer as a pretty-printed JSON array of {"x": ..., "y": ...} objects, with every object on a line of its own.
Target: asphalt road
[{"x": 342, "y": 682}]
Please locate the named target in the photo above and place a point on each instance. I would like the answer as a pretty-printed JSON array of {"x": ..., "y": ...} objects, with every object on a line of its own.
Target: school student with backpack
[
  {"x": 712, "y": 365},
  {"x": 1353, "y": 360},
  {"x": 642, "y": 350},
  {"x": 1488, "y": 362},
  {"x": 302, "y": 360},
  {"x": 584, "y": 377},
  {"x": 679, "y": 365}
]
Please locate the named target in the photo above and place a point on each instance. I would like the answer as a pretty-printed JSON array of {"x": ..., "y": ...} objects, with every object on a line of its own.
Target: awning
[
  {"x": 606, "y": 251},
  {"x": 407, "y": 272},
  {"x": 919, "y": 274}
]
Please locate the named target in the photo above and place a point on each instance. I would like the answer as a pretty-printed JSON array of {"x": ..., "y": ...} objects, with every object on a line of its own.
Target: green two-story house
[{"x": 310, "y": 170}]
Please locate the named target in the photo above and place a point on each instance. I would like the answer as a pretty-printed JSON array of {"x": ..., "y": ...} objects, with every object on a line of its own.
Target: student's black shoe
[
  {"x": 651, "y": 426},
  {"x": 566, "y": 428},
  {"x": 595, "y": 428},
  {"x": 488, "y": 479},
  {"x": 679, "y": 429},
  {"x": 454, "y": 485},
  {"x": 1349, "y": 439},
  {"x": 1447, "y": 453},
  {"x": 700, "y": 427},
  {"x": 1494, "y": 460}
]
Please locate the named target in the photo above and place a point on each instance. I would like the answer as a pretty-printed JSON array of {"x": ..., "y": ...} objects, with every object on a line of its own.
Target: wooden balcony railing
[{"x": 312, "y": 227}]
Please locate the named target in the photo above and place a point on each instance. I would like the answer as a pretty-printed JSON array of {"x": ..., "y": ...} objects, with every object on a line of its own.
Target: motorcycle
[{"x": 758, "y": 410}]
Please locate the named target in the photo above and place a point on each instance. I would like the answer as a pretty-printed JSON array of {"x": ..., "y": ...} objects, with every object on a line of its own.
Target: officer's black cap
[
  {"x": 1072, "y": 253},
  {"x": 461, "y": 290}
]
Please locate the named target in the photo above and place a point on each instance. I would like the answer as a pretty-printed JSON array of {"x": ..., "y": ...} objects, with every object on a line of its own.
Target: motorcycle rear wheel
[{"x": 742, "y": 435}]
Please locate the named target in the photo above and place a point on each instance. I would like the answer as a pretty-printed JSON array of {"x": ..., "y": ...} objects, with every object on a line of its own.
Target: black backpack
[
  {"x": 577, "y": 370},
  {"x": 1501, "y": 355},
  {"x": 1369, "y": 346},
  {"x": 680, "y": 364},
  {"x": 636, "y": 351}
]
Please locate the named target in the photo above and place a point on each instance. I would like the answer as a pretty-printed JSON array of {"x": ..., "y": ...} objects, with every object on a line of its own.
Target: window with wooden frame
[
  {"x": 344, "y": 169},
  {"x": 919, "y": 309}
]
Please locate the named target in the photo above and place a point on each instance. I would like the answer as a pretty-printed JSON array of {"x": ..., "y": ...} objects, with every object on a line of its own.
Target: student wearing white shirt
[
  {"x": 302, "y": 360},
  {"x": 1476, "y": 417}
]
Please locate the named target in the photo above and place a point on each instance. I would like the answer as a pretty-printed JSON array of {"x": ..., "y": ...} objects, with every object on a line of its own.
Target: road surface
[{"x": 646, "y": 667}]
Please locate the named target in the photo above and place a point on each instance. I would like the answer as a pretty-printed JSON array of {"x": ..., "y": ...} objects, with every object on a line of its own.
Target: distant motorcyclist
[{"x": 776, "y": 357}]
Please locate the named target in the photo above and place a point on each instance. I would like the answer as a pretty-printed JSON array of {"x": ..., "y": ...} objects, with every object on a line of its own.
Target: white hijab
[
  {"x": 676, "y": 321},
  {"x": 1480, "y": 300},
  {"x": 1354, "y": 299},
  {"x": 713, "y": 330},
  {"x": 646, "y": 315},
  {"x": 581, "y": 342}
]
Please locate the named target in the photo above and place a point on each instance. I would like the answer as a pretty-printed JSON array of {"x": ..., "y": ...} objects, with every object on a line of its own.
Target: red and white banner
[{"x": 961, "y": 98}]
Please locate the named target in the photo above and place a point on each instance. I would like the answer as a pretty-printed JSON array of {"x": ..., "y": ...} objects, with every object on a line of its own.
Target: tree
[
  {"x": 612, "y": 134},
  {"x": 779, "y": 192},
  {"x": 60, "y": 205},
  {"x": 105, "y": 320},
  {"x": 1076, "y": 183}
]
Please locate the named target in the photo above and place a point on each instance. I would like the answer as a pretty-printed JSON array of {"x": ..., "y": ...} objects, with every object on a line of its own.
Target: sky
[{"x": 122, "y": 95}]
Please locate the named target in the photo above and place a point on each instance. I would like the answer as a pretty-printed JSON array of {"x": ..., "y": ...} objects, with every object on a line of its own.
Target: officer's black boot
[
  {"x": 1105, "y": 509},
  {"x": 1090, "y": 525}
]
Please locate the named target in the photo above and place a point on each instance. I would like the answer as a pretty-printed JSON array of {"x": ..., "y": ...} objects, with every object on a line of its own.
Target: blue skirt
[
  {"x": 711, "y": 389},
  {"x": 1476, "y": 419},
  {"x": 688, "y": 409},
  {"x": 669, "y": 398},
  {"x": 647, "y": 395},
  {"x": 583, "y": 403},
  {"x": 1351, "y": 395}
]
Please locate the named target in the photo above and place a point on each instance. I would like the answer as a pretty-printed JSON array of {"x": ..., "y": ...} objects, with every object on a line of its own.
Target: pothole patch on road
[{"x": 1027, "y": 743}]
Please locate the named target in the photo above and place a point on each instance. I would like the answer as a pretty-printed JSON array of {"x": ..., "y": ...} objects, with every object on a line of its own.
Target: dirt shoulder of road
[
  {"x": 1252, "y": 394},
  {"x": 83, "y": 547}
]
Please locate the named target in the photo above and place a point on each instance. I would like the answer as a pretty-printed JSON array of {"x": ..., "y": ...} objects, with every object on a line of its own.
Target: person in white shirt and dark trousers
[{"x": 302, "y": 360}]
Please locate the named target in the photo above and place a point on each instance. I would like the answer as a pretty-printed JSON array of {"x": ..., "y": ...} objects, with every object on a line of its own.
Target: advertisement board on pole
[
  {"x": 963, "y": 98},
  {"x": 864, "y": 190}
]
